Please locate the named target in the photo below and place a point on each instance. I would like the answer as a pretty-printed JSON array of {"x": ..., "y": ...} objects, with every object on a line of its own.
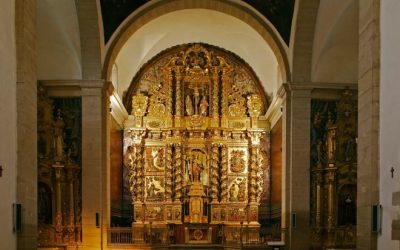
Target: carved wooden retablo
[{"x": 194, "y": 142}]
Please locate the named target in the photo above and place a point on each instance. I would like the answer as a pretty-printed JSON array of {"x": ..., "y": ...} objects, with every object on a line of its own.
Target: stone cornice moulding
[
  {"x": 69, "y": 88},
  {"x": 292, "y": 86},
  {"x": 274, "y": 111}
]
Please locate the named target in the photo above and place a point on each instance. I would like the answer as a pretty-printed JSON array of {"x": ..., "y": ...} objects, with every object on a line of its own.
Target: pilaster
[
  {"x": 296, "y": 161},
  {"x": 95, "y": 121},
  {"x": 368, "y": 121},
  {"x": 26, "y": 95},
  {"x": 94, "y": 187}
]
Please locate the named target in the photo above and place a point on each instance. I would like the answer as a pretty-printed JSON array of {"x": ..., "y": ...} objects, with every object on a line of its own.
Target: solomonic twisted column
[
  {"x": 224, "y": 174},
  {"x": 253, "y": 174},
  {"x": 214, "y": 172},
  {"x": 168, "y": 173},
  {"x": 139, "y": 184},
  {"x": 178, "y": 172}
]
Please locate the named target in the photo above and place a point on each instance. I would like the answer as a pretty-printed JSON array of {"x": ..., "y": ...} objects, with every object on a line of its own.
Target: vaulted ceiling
[{"x": 278, "y": 12}]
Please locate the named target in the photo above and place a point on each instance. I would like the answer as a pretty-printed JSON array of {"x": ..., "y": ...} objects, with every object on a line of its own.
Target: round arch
[
  {"x": 302, "y": 39},
  {"x": 154, "y": 9}
]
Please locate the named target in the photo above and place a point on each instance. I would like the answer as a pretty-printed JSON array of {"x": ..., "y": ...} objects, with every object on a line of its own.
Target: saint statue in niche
[
  {"x": 203, "y": 106},
  {"x": 189, "y": 105},
  {"x": 59, "y": 136},
  {"x": 197, "y": 168}
]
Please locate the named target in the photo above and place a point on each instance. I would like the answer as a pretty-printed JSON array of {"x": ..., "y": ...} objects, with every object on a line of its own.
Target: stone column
[
  {"x": 94, "y": 116},
  {"x": 299, "y": 165},
  {"x": 368, "y": 121}
]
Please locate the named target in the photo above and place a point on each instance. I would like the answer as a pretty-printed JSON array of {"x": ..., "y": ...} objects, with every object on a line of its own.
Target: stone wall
[
  {"x": 8, "y": 122},
  {"x": 25, "y": 21},
  {"x": 389, "y": 144},
  {"x": 368, "y": 122}
]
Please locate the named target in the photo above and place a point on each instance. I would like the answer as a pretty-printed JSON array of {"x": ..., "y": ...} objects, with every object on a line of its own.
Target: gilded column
[
  {"x": 168, "y": 173},
  {"x": 318, "y": 208},
  {"x": 71, "y": 179},
  {"x": 168, "y": 81},
  {"x": 330, "y": 179},
  {"x": 139, "y": 167},
  {"x": 254, "y": 151},
  {"x": 255, "y": 190},
  {"x": 178, "y": 97},
  {"x": 330, "y": 176},
  {"x": 226, "y": 82},
  {"x": 178, "y": 172},
  {"x": 58, "y": 220},
  {"x": 78, "y": 206},
  {"x": 215, "y": 98},
  {"x": 224, "y": 173},
  {"x": 214, "y": 172}
]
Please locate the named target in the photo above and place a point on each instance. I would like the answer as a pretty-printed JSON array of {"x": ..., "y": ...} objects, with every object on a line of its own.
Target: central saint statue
[{"x": 197, "y": 168}]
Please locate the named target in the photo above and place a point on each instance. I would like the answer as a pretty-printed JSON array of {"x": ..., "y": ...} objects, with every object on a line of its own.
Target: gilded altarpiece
[
  {"x": 195, "y": 160},
  {"x": 334, "y": 171},
  {"x": 59, "y": 171}
]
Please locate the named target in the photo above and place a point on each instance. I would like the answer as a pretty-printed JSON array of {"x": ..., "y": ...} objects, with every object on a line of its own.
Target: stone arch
[
  {"x": 91, "y": 38},
  {"x": 154, "y": 9},
  {"x": 302, "y": 38}
]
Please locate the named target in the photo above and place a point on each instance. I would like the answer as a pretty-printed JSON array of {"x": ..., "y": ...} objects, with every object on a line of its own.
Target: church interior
[{"x": 209, "y": 124}]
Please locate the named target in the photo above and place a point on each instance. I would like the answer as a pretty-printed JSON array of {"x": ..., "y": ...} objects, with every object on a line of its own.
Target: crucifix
[{"x": 392, "y": 172}]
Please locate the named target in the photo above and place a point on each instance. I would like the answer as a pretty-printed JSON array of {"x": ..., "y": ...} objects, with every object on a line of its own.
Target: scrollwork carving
[
  {"x": 157, "y": 100},
  {"x": 254, "y": 105},
  {"x": 236, "y": 102},
  {"x": 139, "y": 105}
]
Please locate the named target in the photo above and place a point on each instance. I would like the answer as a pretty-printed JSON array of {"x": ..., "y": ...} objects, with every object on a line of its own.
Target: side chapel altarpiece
[{"x": 194, "y": 146}]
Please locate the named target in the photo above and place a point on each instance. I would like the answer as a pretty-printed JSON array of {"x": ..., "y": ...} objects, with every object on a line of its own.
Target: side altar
[{"x": 194, "y": 158}]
